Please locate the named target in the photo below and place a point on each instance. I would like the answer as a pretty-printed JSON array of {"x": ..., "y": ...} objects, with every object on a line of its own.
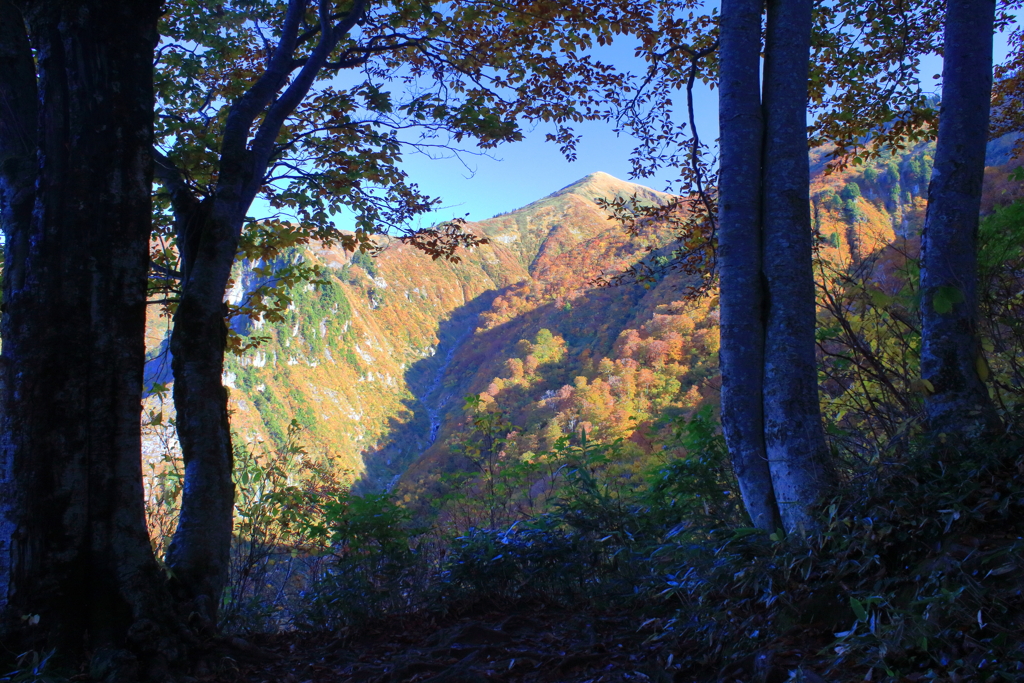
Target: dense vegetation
[
  {"x": 914, "y": 573},
  {"x": 448, "y": 331}
]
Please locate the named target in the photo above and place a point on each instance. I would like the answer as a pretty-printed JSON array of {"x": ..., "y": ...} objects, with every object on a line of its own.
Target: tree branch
[
  {"x": 245, "y": 110},
  {"x": 263, "y": 143},
  {"x": 698, "y": 171},
  {"x": 361, "y": 55},
  {"x": 171, "y": 177},
  {"x": 164, "y": 272},
  {"x": 185, "y": 205}
]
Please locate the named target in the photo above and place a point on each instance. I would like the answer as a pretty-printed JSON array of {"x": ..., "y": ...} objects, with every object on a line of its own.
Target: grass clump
[{"x": 916, "y": 574}]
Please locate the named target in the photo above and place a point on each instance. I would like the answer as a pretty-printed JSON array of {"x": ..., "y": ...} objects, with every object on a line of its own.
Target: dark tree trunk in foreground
[
  {"x": 950, "y": 354},
  {"x": 208, "y": 234},
  {"x": 739, "y": 256},
  {"x": 18, "y": 167},
  {"x": 794, "y": 439},
  {"x": 74, "y": 549}
]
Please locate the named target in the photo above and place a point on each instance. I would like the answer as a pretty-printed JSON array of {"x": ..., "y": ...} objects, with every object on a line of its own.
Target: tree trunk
[
  {"x": 17, "y": 195},
  {"x": 75, "y": 549},
  {"x": 199, "y": 553},
  {"x": 950, "y": 355},
  {"x": 794, "y": 440},
  {"x": 739, "y": 256}
]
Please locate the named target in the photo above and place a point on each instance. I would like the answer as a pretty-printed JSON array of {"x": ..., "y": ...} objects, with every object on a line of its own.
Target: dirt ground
[{"x": 527, "y": 645}]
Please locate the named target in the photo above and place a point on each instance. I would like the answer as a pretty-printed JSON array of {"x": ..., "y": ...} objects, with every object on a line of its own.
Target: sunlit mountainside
[
  {"x": 365, "y": 354},
  {"x": 375, "y": 362}
]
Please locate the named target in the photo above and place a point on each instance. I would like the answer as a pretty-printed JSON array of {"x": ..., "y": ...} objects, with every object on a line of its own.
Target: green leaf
[
  {"x": 981, "y": 365},
  {"x": 945, "y": 298},
  {"x": 743, "y": 532},
  {"x": 858, "y": 609},
  {"x": 879, "y": 299}
]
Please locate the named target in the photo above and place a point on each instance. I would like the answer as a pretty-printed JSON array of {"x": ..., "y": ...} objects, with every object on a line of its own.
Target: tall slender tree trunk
[
  {"x": 199, "y": 553},
  {"x": 74, "y": 548},
  {"x": 950, "y": 355},
  {"x": 794, "y": 440},
  {"x": 18, "y": 166},
  {"x": 739, "y": 256}
]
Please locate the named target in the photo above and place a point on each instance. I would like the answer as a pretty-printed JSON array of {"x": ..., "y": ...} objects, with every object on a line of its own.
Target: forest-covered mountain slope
[
  {"x": 363, "y": 355},
  {"x": 374, "y": 361},
  {"x": 553, "y": 355}
]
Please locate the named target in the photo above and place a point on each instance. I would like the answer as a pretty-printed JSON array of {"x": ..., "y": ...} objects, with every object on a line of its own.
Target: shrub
[
  {"x": 276, "y": 495},
  {"x": 540, "y": 561},
  {"x": 369, "y": 566},
  {"x": 828, "y": 199},
  {"x": 365, "y": 261},
  {"x": 850, "y": 191}
]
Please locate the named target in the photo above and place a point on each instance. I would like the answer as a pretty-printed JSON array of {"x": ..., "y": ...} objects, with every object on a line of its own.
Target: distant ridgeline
[{"x": 375, "y": 361}]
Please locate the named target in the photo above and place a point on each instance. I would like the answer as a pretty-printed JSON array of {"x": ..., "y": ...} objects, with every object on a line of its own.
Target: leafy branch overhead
[
  {"x": 326, "y": 115},
  {"x": 866, "y": 98},
  {"x": 312, "y": 107},
  {"x": 444, "y": 240}
]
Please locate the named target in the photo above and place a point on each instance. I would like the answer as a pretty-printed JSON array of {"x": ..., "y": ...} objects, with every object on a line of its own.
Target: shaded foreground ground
[{"x": 529, "y": 644}]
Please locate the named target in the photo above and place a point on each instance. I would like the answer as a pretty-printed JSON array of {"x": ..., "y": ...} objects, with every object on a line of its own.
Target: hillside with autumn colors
[
  {"x": 363, "y": 353},
  {"x": 374, "y": 361}
]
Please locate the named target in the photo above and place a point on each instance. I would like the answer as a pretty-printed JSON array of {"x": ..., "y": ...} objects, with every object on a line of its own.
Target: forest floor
[{"x": 527, "y": 645}]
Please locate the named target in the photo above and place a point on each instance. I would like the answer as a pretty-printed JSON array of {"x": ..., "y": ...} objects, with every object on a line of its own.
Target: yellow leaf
[
  {"x": 982, "y": 367},
  {"x": 923, "y": 386}
]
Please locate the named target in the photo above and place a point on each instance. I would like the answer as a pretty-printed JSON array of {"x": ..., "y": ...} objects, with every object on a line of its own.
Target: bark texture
[
  {"x": 17, "y": 184},
  {"x": 950, "y": 354},
  {"x": 74, "y": 548},
  {"x": 794, "y": 440},
  {"x": 739, "y": 256}
]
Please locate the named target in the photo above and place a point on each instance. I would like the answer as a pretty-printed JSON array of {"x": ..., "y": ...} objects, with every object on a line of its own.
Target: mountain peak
[{"x": 606, "y": 186}]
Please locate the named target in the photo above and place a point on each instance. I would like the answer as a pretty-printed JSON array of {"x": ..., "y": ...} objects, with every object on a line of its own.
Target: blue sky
[
  {"x": 519, "y": 173},
  {"x": 516, "y": 174}
]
